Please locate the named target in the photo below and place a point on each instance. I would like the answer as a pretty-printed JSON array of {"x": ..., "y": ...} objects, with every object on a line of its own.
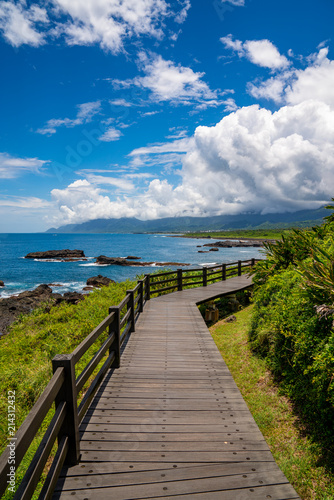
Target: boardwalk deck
[{"x": 171, "y": 422}]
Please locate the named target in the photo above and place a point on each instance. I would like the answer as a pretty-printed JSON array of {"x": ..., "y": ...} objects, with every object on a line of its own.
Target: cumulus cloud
[
  {"x": 12, "y": 167},
  {"x": 252, "y": 160},
  {"x": 108, "y": 23},
  {"x": 85, "y": 113},
  {"x": 260, "y": 52},
  {"x": 294, "y": 86}
]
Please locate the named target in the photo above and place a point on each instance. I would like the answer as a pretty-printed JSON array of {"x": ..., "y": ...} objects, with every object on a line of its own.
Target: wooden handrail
[{"x": 64, "y": 387}]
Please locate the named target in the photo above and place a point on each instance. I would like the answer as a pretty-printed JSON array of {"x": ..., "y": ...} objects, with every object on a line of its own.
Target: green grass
[
  {"x": 272, "y": 234},
  {"x": 297, "y": 455},
  {"x": 33, "y": 340}
]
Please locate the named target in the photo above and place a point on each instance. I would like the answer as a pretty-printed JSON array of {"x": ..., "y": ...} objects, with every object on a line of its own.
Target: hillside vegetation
[{"x": 292, "y": 323}]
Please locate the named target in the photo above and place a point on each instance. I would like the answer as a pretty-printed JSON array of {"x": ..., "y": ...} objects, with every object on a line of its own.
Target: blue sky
[{"x": 158, "y": 108}]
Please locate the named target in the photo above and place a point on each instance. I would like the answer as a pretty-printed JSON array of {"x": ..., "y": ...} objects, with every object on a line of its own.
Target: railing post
[
  {"x": 239, "y": 267},
  {"x": 223, "y": 272},
  {"x": 68, "y": 393},
  {"x": 131, "y": 305},
  {"x": 114, "y": 328},
  {"x": 141, "y": 296},
  {"x": 179, "y": 280},
  {"x": 148, "y": 286},
  {"x": 205, "y": 276},
  {"x": 253, "y": 262}
]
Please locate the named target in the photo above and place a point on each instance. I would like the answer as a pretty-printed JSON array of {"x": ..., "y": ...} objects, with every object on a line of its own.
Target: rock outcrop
[
  {"x": 120, "y": 261},
  {"x": 98, "y": 281},
  {"x": 2, "y": 283},
  {"x": 25, "y": 302},
  {"x": 61, "y": 255},
  {"x": 235, "y": 243}
]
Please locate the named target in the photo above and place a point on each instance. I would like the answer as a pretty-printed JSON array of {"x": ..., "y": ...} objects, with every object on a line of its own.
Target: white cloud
[
  {"x": 168, "y": 81},
  {"x": 108, "y": 23},
  {"x": 12, "y": 167},
  {"x": 177, "y": 146},
  {"x": 122, "y": 184},
  {"x": 315, "y": 82},
  {"x": 111, "y": 134},
  {"x": 294, "y": 86},
  {"x": 19, "y": 23},
  {"x": 30, "y": 202},
  {"x": 264, "y": 53},
  {"x": 252, "y": 160},
  {"x": 120, "y": 102},
  {"x": 182, "y": 15},
  {"x": 260, "y": 52},
  {"x": 236, "y": 3},
  {"x": 86, "y": 112}
]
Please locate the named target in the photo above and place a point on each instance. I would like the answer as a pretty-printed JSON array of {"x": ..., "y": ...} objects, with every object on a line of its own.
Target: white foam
[{"x": 93, "y": 264}]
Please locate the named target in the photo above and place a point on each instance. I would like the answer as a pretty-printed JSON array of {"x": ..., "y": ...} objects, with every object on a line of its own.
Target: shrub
[{"x": 297, "y": 343}]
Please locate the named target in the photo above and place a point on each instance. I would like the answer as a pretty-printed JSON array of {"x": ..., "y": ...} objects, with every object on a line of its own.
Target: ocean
[{"x": 20, "y": 274}]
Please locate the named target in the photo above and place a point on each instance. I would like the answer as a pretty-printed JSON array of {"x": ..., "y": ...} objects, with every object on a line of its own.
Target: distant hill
[{"x": 302, "y": 218}]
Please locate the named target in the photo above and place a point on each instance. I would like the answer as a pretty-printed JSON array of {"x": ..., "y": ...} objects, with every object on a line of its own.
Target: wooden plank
[
  {"x": 171, "y": 470},
  {"x": 166, "y": 475},
  {"x": 136, "y": 455},
  {"x": 245, "y": 437},
  {"x": 202, "y": 485}
]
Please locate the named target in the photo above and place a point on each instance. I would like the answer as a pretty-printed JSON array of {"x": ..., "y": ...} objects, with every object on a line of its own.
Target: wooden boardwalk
[{"x": 171, "y": 422}]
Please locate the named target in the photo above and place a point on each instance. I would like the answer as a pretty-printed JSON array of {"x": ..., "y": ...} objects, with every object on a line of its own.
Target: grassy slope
[
  {"x": 296, "y": 455},
  {"x": 26, "y": 353}
]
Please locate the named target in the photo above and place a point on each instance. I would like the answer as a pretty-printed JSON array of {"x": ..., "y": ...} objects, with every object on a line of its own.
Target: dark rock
[
  {"x": 203, "y": 251},
  {"x": 2, "y": 283},
  {"x": 98, "y": 281},
  {"x": 230, "y": 319},
  {"x": 111, "y": 261},
  {"x": 88, "y": 288},
  {"x": 62, "y": 255},
  {"x": 198, "y": 246},
  {"x": 119, "y": 261},
  {"x": 23, "y": 303},
  {"x": 132, "y": 257},
  {"x": 214, "y": 249},
  {"x": 73, "y": 297}
]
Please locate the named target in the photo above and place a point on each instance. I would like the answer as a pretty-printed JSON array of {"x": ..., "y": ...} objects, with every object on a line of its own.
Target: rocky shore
[
  {"x": 74, "y": 255},
  {"x": 26, "y": 302},
  {"x": 119, "y": 261},
  {"x": 235, "y": 243}
]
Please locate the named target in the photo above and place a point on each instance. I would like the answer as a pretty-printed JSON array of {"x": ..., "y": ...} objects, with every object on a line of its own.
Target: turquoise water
[{"x": 21, "y": 274}]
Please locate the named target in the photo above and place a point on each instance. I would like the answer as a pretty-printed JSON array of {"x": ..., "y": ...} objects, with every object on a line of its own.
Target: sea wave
[
  {"x": 207, "y": 264},
  {"x": 93, "y": 264}
]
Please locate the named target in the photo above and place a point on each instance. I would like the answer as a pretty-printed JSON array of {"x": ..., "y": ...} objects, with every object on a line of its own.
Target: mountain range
[{"x": 302, "y": 218}]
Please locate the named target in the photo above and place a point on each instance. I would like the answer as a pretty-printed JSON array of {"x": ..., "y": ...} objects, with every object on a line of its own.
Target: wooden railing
[
  {"x": 64, "y": 387},
  {"x": 188, "y": 278}
]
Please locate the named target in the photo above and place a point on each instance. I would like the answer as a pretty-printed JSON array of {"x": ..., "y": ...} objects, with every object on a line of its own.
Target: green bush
[{"x": 297, "y": 343}]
